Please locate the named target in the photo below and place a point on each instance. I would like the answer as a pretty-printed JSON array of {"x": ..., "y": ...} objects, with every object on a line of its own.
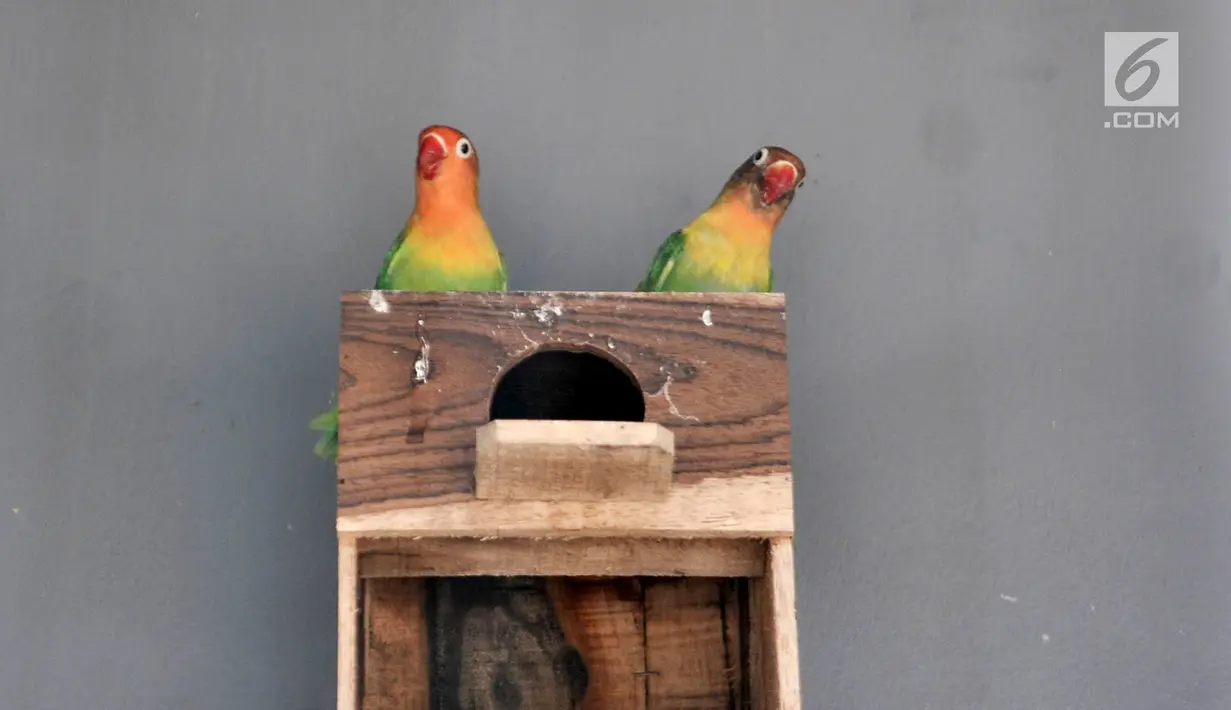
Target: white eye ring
[
  {"x": 760, "y": 156},
  {"x": 463, "y": 149}
]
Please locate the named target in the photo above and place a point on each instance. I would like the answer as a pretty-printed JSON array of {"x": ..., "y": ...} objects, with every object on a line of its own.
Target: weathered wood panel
[
  {"x": 418, "y": 372},
  {"x": 690, "y": 664},
  {"x": 496, "y": 642},
  {"x": 570, "y": 643},
  {"x": 604, "y": 619},
  {"x": 395, "y": 666}
]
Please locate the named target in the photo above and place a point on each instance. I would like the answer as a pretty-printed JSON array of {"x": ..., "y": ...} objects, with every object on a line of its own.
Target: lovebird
[
  {"x": 445, "y": 245},
  {"x": 726, "y": 248}
]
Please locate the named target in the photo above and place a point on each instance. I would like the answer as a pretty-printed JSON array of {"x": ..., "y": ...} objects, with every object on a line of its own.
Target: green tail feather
[{"x": 327, "y": 447}]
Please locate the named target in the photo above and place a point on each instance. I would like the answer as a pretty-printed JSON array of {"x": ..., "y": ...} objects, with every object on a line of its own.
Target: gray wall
[{"x": 1010, "y": 327}]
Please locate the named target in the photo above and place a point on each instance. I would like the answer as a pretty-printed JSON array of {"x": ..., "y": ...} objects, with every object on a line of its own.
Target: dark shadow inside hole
[{"x": 562, "y": 384}]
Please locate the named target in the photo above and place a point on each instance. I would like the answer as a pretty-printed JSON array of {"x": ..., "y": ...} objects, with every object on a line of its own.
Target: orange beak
[
  {"x": 431, "y": 155},
  {"x": 777, "y": 179}
]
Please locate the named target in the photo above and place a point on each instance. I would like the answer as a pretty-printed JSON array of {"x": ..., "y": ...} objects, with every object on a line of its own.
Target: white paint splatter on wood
[
  {"x": 533, "y": 343},
  {"x": 665, "y": 393},
  {"x": 707, "y": 317},
  {"x": 549, "y": 312},
  {"x": 377, "y": 301},
  {"x": 423, "y": 363}
]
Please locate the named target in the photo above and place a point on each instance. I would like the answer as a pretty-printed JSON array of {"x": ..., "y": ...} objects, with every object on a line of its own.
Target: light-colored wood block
[
  {"x": 774, "y": 645},
  {"x": 581, "y": 557},
  {"x": 348, "y": 624},
  {"x": 747, "y": 506},
  {"x": 573, "y": 460}
]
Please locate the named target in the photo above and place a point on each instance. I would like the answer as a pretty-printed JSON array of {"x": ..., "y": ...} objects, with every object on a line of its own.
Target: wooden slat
[
  {"x": 580, "y": 557},
  {"x": 573, "y": 460},
  {"x": 348, "y": 624},
  {"x": 735, "y": 639},
  {"x": 774, "y": 643},
  {"x": 395, "y": 645},
  {"x": 686, "y": 645},
  {"x": 418, "y": 372},
  {"x": 746, "y": 506},
  {"x": 604, "y": 621}
]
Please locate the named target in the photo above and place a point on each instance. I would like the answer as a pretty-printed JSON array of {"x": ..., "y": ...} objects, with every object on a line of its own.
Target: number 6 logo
[{"x": 1134, "y": 63}]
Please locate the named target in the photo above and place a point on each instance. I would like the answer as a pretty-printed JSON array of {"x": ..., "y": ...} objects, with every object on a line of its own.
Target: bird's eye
[
  {"x": 760, "y": 156},
  {"x": 800, "y": 186},
  {"x": 464, "y": 149}
]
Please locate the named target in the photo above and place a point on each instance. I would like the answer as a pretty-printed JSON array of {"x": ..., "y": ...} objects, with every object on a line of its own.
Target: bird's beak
[
  {"x": 431, "y": 155},
  {"x": 777, "y": 179}
]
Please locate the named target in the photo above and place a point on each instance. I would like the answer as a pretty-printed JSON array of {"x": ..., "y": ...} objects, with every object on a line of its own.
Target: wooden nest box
[{"x": 565, "y": 500}]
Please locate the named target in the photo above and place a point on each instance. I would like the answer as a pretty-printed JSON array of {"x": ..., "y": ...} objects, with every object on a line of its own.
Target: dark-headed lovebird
[
  {"x": 445, "y": 245},
  {"x": 726, "y": 248}
]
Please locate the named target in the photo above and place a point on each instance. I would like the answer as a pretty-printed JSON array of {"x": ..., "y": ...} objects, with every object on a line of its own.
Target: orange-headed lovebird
[
  {"x": 445, "y": 245},
  {"x": 726, "y": 248}
]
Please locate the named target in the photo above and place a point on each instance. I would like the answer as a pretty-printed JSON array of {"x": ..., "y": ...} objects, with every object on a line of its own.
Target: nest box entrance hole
[{"x": 557, "y": 383}]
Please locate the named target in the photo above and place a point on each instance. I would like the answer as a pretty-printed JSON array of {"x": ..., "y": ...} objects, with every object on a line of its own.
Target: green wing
[
  {"x": 771, "y": 278},
  {"x": 327, "y": 424},
  {"x": 382, "y": 278},
  {"x": 504, "y": 273},
  {"x": 664, "y": 262}
]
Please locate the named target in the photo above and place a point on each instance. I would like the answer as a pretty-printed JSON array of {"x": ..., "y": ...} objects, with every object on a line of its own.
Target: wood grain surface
[
  {"x": 517, "y": 643},
  {"x": 746, "y": 506},
  {"x": 688, "y": 651},
  {"x": 418, "y": 372},
  {"x": 774, "y": 644},
  {"x": 395, "y": 666},
  {"x": 582, "y": 557},
  {"x": 573, "y": 460},
  {"x": 349, "y": 586}
]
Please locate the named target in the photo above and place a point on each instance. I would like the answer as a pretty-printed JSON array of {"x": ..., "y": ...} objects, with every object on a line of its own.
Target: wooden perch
[{"x": 564, "y": 460}]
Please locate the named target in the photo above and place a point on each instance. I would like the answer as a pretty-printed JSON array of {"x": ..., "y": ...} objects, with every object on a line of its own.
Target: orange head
[
  {"x": 769, "y": 177},
  {"x": 448, "y": 163}
]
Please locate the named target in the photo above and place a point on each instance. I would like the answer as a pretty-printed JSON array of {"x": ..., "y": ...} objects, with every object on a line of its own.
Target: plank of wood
[
  {"x": 580, "y": 557},
  {"x": 687, "y": 657},
  {"x": 496, "y": 643},
  {"x": 573, "y": 460},
  {"x": 418, "y": 372},
  {"x": 749, "y": 506},
  {"x": 773, "y": 626},
  {"x": 395, "y": 667},
  {"x": 735, "y": 642},
  {"x": 348, "y": 624},
  {"x": 604, "y": 620}
]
